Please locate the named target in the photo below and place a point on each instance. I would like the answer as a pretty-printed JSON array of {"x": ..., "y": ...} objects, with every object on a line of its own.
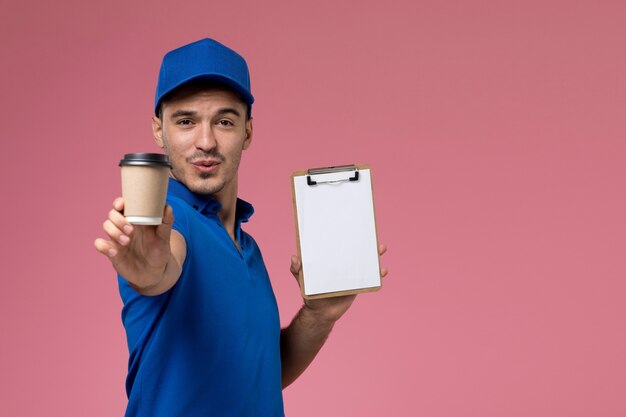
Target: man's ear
[
  {"x": 157, "y": 131},
  {"x": 248, "y": 140}
]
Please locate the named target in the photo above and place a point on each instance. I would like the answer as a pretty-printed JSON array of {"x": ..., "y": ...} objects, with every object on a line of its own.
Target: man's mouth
[{"x": 206, "y": 166}]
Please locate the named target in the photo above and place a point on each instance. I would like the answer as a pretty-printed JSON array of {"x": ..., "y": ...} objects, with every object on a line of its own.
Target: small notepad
[{"x": 336, "y": 231}]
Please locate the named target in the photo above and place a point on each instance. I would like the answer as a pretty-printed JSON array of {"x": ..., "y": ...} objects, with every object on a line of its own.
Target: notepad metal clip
[{"x": 332, "y": 170}]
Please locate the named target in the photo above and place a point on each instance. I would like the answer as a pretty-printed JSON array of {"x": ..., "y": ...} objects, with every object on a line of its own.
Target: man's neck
[{"x": 227, "y": 197}]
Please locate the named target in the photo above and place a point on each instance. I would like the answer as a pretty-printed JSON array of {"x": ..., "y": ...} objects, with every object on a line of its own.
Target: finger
[
  {"x": 115, "y": 233},
  {"x": 382, "y": 248},
  {"x": 295, "y": 266},
  {"x": 105, "y": 247},
  {"x": 118, "y": 204},
  {"x": 383, "y": 272},
  {"x": 168, "y": 214},
  {"x": 120, "y": 222}
]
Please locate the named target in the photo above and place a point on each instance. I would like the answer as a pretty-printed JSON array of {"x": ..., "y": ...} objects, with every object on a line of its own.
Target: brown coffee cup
[{"x": 144, "y": 187}]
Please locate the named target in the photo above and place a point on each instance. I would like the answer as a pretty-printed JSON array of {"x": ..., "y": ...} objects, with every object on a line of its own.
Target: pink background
[{"x": 496, "y": 132}]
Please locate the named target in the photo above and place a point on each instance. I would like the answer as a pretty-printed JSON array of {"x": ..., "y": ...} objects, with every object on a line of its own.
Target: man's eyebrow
[
  {"x": 225, "y": 110},
  {"x": 183, "y": 113}
]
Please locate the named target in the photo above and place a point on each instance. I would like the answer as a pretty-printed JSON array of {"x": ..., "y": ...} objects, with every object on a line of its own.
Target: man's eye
[
  {"x": 184, "y": 122},
  {"x": 225, "y": 123}
]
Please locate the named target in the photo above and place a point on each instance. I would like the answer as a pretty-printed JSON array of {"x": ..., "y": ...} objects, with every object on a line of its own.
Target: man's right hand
[{"x": 148, "y": 257}]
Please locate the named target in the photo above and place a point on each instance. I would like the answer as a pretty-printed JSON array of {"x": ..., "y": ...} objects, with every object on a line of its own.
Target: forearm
[{"x": 300, "y": 343}]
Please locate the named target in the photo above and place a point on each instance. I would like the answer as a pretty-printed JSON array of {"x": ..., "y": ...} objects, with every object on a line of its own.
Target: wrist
[{"x": 316, "y": 316}]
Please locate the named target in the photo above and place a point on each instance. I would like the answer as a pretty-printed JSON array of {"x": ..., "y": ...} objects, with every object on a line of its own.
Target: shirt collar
[{"x": 206, "y": 204}]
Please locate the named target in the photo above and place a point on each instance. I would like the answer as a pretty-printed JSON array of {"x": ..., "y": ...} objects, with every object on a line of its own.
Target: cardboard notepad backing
[{"x": 336, "y": 231}]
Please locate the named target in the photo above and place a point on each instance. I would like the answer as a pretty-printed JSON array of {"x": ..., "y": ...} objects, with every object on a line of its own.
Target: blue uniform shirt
[{"x": 210, "y": 346}]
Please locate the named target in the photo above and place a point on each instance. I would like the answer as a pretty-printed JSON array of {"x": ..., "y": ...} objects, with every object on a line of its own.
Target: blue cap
[{"x": 205, "y": 59}]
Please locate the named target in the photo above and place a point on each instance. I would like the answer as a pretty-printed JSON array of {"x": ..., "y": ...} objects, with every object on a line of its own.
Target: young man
[{"x": 199, "y": 311}]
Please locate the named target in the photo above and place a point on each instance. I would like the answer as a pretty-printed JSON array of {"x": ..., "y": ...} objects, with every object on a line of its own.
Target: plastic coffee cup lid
[{"x": 146, "y": 159}]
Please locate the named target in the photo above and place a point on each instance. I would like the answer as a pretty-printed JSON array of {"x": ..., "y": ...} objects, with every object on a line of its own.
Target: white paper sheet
[{"x": 337, "y": 233}]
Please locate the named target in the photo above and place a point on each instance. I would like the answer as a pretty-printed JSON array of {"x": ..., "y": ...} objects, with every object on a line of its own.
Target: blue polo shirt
[{"x": 210, "y": 346}]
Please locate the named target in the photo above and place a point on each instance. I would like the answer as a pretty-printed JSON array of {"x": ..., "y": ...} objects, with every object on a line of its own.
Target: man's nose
[{"x": 206, "y": 138}]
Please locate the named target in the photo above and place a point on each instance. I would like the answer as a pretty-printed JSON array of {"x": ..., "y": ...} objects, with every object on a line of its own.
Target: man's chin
[
  {"x": 205, "y": 186},
  {"x": 200, "y": 183}
]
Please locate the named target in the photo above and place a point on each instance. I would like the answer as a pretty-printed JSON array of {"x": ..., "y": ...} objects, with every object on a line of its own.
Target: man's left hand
[{"x": 330, "y": 309}]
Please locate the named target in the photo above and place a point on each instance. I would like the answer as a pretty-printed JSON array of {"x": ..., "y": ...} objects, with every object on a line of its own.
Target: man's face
[{"x": 204, "y": 131}]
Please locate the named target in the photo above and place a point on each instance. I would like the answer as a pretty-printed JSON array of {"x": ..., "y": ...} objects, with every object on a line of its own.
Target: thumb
[
  {"x": 164, "y": 229},
  {"x": 295, "y": 266}
]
